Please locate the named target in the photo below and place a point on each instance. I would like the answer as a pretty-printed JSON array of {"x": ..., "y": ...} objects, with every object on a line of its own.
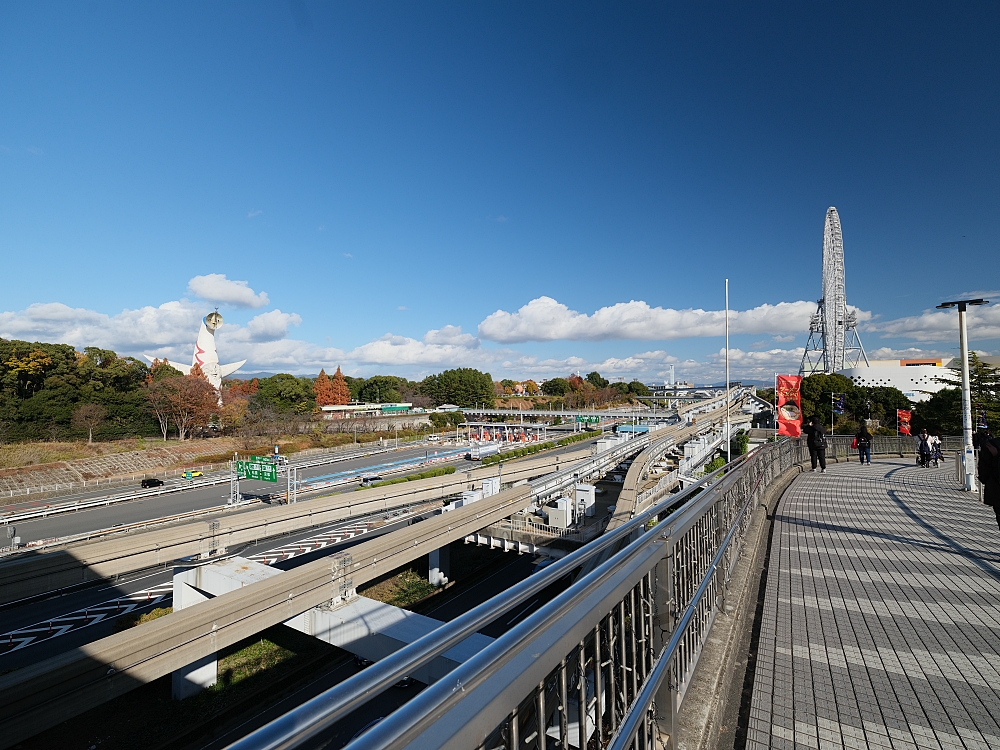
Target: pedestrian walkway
[{"x": 881, "y": 621}]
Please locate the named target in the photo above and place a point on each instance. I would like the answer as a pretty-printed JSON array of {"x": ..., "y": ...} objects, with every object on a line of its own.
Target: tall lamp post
[
  {"x": 729, "y": 441},
  {"x": 968, "y": 455}
]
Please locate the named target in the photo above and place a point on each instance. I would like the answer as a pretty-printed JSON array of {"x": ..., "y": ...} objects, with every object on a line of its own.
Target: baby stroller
[{"x": 936, "y": 455}]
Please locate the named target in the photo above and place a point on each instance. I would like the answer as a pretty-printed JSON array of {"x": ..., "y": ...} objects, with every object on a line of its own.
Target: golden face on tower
[{"x": 213, "y": 320}]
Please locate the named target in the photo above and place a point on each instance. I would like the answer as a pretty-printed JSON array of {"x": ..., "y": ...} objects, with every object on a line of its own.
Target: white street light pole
[
  {"x": 968, "y": 453},
  {"x": 728, "y": 436}
]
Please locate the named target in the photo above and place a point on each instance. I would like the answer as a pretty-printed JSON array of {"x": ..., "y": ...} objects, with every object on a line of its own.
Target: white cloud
[
  {"x": 270, "y": 326},
  {"x": 447, "y": 347},
  {"x": 153, "y": 329},
  {"x": 254, "y": 213},
  {"x": 215, "y": 287},
  {"x": 451, "y": 335},
  {"x": 545, "y": 319},
  {"x": 941, "y": 325}
]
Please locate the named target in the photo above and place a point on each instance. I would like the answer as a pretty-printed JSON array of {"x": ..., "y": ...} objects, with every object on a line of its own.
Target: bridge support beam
[
  {"x": 195, "y": 585},
  {"x": 439, "y": 566},
  {"x": 368, "y": 629}
]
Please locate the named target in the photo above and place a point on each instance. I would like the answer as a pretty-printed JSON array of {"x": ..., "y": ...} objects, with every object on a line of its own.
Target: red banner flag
[
  {"x": 903, "y": 421},
  {"x": 789, "y": 405}
]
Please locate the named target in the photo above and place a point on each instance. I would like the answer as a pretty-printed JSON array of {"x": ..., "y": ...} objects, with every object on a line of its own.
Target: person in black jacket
[
  {"x": 863, "y": 442},
  {"x": 816, "y": 441},
  {"x": 989, "y": 472}
]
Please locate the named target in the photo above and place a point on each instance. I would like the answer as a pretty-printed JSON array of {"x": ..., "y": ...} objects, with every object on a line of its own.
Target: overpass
[
  {"x": 623, "y": 656},
  {"x": 47, "y": 692},
  {"x": 50, "y": 691}
]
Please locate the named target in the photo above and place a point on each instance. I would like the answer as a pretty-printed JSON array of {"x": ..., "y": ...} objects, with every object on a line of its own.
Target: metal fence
[
  {"x": 839, "y": 446},
  {"x": 611, "y": 657}
]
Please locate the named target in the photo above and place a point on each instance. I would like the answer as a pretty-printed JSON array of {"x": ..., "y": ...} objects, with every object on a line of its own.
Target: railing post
[{"x": 665, "y": 621}]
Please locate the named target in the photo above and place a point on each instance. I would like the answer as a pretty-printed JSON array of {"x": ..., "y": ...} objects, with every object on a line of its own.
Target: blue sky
[{"x": 380, "y": 175}]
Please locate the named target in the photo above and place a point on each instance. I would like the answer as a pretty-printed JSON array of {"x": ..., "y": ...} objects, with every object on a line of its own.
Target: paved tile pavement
[{"x": 881, "y": 622}]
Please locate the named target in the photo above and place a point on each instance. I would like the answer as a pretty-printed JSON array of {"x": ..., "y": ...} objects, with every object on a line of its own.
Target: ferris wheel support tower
[{"x": 834, "y": 343}]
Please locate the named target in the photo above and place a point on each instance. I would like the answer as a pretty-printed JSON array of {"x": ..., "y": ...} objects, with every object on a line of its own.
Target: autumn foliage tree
[
  {"x": 87, "y": 417},
  {"x": 159, "y": 385},
  {"x": 192, "y": 401},
  {"x": 324, "y": 390},
  {"x": 341, "y": 391}
]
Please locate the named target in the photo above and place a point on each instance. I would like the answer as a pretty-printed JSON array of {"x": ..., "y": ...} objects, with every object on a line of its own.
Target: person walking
[
  {"x": 924, "y": 448},
  {"x": 863, "y": 442},
  {"x": 989, "y": 472},
  {"x": 936, "y": 454},
  {"x": 816, "y": 442}
]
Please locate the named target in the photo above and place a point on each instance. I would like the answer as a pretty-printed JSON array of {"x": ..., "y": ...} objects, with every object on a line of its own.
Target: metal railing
[
  {"x": 839, "y": 446},
  {"x": 611, "y": 657},
  {"x": 592, "y": 659}
]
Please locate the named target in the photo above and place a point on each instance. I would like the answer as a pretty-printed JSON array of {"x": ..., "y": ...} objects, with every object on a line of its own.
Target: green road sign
[
  {"x": 257, "y": 468},
  {"x": 588, "y": 420}
]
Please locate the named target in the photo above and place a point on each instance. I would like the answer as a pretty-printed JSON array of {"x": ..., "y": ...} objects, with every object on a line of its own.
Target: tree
[
  {"x": 637, "y": 388},
  {"x": 816, "y": 392},
  {"x": 192, "y": 401},
  {"x": 621, "y": 388},
  {"x": 87, "y": 417},
  {"x": 595, "y": 379},
  {"x": 576, "y": 382},
  {"x": 287, "y": 393},
  {"x": 942, "y": 413},
  {"x": 984, "y": 389},
  {"x": 464, "y": 386},
  {"x": 159, "y": 398},
  {"x": 531, "y": 387},
  {"x": 341, "y": 391},
  {"x": 380, "y": 389},
  {"x": 160, "y": 369},
  {"x": 323, "y": 389},
  {"x": 556, "y": 387}
]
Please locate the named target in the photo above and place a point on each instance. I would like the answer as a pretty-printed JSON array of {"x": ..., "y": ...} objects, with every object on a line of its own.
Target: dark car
[{"x": 151, "y": 482}]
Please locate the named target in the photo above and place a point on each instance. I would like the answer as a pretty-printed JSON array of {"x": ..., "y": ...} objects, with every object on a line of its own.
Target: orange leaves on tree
[
  {"x": 323, "y": 389},
  {"x": 341, "y": 391}
]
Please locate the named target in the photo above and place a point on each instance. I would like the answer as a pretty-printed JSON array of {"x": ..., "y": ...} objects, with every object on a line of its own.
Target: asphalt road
[
  {"x": 161, "y": 506},
  {"x": 66, "y": 619},
  {"x": 124, "y": 598},
  {"x": 135, "y": 511}
]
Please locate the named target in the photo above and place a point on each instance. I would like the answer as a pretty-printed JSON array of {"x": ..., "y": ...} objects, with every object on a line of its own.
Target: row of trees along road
[
  {"x": 52, "y": 391},
  {"x": 594, "y": 390}
]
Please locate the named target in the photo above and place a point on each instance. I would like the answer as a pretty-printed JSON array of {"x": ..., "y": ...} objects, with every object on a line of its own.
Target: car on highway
[
  {"x": 370, "y": 479},
  {"x": 151, "y": 482},
  {"x": 193, "y": 474}
]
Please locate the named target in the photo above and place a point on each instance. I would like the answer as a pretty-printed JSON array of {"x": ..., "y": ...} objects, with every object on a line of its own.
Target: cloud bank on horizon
[{"x": 168, "y": 330}]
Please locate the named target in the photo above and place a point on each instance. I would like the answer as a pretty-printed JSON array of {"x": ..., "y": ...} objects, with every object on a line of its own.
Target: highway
[
  {"x": 200, "y": 498},
  {"x": 187, "y": 635},
  {"x": 46, "y": 626}
]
